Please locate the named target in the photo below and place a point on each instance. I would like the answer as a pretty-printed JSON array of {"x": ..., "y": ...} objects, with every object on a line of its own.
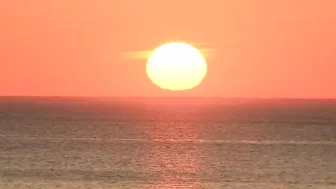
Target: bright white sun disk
[{"x": 176, "y": 66}]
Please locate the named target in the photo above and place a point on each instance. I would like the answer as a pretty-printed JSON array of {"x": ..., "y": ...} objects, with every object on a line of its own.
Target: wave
[{"x": 170, "y": 140}]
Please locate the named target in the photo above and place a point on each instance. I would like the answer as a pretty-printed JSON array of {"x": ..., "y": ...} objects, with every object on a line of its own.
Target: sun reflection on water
[{"x": 173, "y": 159}]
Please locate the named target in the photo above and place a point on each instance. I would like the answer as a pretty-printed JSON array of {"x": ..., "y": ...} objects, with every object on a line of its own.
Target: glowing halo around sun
[{"x": 176, "y": 66}]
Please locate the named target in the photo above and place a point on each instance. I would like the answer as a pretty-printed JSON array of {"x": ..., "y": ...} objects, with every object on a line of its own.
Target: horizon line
[{"x": 172, "y": 97}]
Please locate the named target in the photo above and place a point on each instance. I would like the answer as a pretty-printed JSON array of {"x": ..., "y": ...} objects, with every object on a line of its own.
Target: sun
[{"x": 176, "y": 66}]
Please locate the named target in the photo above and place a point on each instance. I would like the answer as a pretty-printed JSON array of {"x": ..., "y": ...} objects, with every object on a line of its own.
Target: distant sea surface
[{"x": 167, "y": 143}]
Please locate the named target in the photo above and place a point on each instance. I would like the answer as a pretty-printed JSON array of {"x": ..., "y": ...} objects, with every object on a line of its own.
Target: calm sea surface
[{"x": 167, "y": 143}]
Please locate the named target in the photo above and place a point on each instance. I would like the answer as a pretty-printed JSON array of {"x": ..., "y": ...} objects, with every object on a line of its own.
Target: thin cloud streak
[{"x": 145, "y": 54}]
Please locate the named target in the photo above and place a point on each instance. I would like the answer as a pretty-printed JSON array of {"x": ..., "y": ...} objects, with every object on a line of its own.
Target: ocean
[{"x": 73, "y": 142}]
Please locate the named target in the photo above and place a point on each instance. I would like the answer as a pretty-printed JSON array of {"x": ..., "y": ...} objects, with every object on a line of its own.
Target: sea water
[{"x": 49, "y": 142}]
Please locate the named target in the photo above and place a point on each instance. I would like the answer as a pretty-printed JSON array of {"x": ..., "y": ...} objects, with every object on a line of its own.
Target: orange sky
[{"x": 280, "y": 48}]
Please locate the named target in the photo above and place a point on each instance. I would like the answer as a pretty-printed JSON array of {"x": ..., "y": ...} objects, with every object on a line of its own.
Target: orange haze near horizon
[{"x": 265, "y": 49}]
